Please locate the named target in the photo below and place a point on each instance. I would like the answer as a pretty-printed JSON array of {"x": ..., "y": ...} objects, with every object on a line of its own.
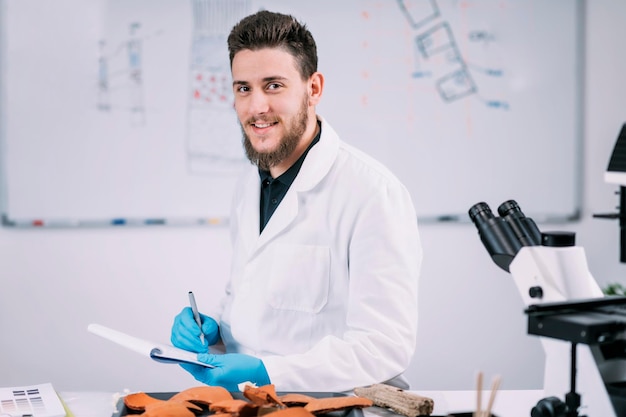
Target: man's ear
[{"x": 316, "y": 87}]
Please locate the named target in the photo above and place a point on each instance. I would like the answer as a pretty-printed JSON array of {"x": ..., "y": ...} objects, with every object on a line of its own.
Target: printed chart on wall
[{"x": 122, "y": 111}]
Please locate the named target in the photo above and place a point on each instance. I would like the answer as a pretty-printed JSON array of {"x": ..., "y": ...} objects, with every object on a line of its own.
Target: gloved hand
[
  {"x": 230, "y": 370},
  {"x": 186, "y": 333}
]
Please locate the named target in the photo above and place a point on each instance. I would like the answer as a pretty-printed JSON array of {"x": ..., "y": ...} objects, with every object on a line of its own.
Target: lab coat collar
[
  {"x": 319, "y": 159},
  {"x": 317, "y": 164}
]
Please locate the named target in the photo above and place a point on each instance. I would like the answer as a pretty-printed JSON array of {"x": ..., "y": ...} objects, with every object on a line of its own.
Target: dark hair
[{"x": 266, "y": 29}]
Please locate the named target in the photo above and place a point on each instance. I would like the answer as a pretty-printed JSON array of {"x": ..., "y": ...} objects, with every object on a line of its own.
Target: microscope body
[
  {"x": 550, "y": 271},
  {"x": 563, "y": 275},
  {"x": 565, "y": 304}
]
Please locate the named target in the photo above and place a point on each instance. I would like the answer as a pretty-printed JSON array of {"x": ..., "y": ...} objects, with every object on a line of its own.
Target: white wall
[{"x": 55, "y": 282}]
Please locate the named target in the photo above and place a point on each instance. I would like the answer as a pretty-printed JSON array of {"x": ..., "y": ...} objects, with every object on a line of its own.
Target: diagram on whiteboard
[
  {"x": 210, "y": 134},
  {"x": 438, "y": 56},
  {"x": 212, "y": 126},
  {"x": 120, "y": 77},
  {"x": 135, "y": 113}
]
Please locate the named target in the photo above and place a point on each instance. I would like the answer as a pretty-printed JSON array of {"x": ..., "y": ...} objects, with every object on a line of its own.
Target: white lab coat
[{"x": 326, "y": 295}]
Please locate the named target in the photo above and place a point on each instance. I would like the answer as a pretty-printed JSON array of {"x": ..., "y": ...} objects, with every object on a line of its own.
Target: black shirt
[{"x": 274, "y": 189}]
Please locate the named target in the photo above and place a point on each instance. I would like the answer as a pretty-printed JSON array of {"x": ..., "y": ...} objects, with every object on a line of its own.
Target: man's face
[{"x": 272, "y": 104}]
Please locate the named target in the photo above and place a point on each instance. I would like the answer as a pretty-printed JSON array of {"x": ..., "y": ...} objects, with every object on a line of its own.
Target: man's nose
[{"x": 258, "y": 103}]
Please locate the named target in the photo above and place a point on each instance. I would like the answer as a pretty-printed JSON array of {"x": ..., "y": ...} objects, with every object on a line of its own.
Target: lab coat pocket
[{"x": 300, "y": 278}]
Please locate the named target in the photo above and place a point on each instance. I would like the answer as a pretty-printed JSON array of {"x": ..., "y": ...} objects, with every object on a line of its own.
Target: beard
[{"x": 286, "y": 146}]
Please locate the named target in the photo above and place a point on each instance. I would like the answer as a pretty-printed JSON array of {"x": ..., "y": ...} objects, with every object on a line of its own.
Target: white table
[{"x": 507, "y": 403}]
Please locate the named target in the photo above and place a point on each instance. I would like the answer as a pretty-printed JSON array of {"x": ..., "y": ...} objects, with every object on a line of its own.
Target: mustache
[{"x": 264, "y": 119}]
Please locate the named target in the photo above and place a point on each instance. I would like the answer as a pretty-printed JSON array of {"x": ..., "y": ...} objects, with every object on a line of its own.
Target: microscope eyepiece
[
  {"x": 504, "y": 236},
  {"x": 496, "y": 234},
  {"x": 509, "y": 206},
  {"x": 524, "y": 227},
  {"x": 481, "y": 210}
]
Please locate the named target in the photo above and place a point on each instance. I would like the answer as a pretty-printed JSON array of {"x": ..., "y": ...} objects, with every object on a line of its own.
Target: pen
[{"x": 196, "y": 315}]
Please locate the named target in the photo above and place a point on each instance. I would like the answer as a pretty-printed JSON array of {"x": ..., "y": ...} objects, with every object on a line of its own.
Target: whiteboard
[{"x": 122, "y": 109}]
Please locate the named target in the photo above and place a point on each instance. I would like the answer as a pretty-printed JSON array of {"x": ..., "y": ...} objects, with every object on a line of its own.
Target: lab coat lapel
[
  {"x": 315, "y": 167},
  {"x": 247, "y": 213},
  {"x": 249, "y": 216},
  {"x": 285, "y": 213}
]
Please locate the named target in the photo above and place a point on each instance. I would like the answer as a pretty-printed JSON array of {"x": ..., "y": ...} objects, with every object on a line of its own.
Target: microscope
[{"x": 582, "y": 331}]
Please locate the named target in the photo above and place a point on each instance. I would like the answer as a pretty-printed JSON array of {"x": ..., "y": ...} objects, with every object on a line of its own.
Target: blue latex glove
[
  {"x": 230, "y": 370},
  {"x": 186, "y": 333}
]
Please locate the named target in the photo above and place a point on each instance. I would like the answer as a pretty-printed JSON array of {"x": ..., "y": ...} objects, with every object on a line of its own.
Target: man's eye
[
  {"x": 273, "y": 86},
  {"x": 243, "y": 89}
]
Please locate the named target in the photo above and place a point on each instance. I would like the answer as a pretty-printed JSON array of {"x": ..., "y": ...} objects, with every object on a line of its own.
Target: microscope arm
[{"x": 561, "y": 274}]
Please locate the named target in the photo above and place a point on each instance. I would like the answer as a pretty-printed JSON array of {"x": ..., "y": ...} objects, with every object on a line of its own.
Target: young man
[{"x": 326, "y": 252}]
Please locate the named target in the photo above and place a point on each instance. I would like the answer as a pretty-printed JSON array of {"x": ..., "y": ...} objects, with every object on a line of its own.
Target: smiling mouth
[
  {"x": 262, "y": 122},
  {"x": 262, "y": 125}
]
